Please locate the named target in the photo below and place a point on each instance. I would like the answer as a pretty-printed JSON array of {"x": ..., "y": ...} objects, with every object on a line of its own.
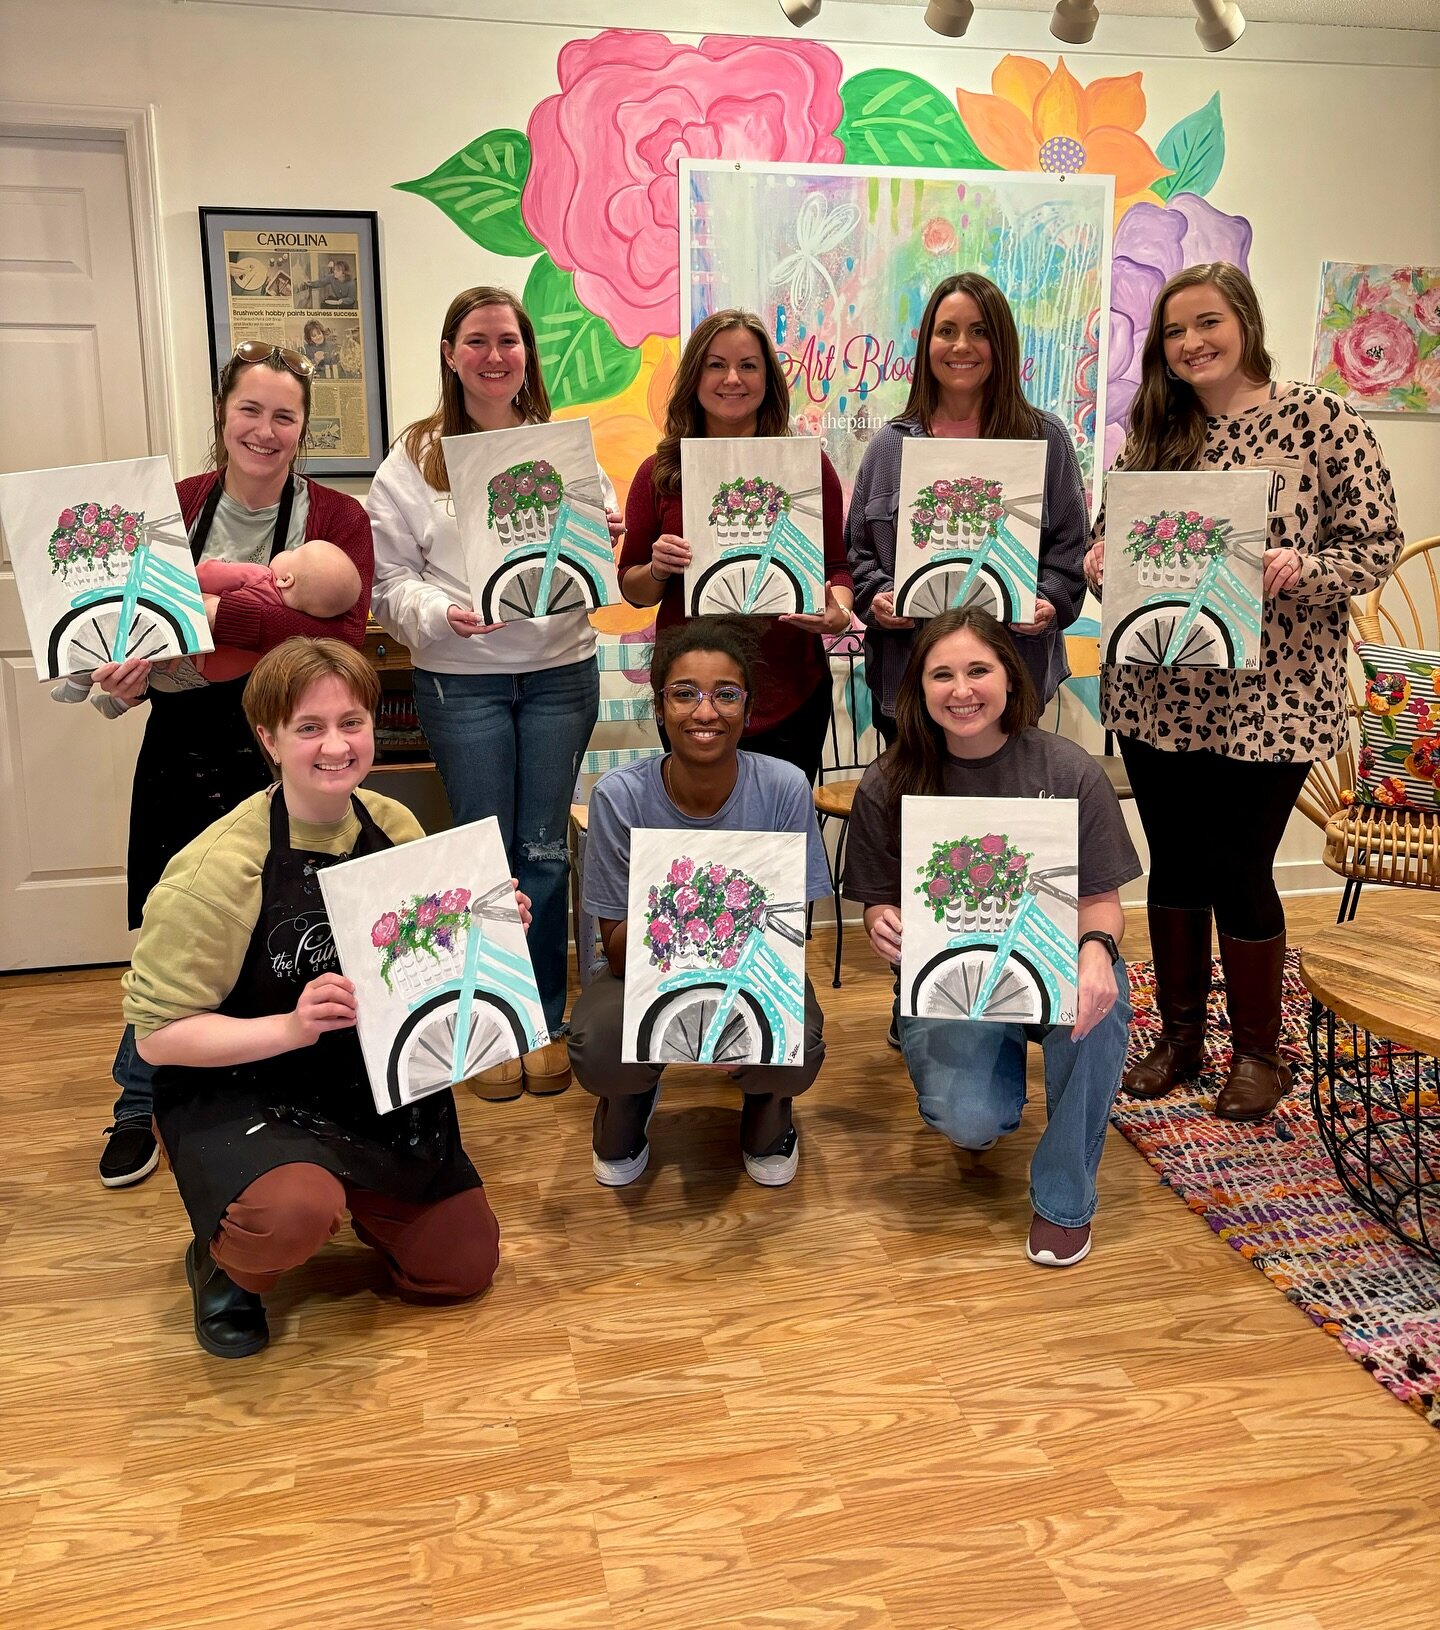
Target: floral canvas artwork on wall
[
  {"x": 968, "y": 526},
  {"x": 531, "y": 510},
  {"x": 1399, "y": 760},
  {"x": 1377, "y": 336},
  {"x": 752, "y": 517},
  {"x": 715, "y": 971},
  {"x": 431, "y": 935},
  {"x": 989, "y": 909},
  {"x": 102, "y": 565},
  {"x": 1183, "y": 567}
]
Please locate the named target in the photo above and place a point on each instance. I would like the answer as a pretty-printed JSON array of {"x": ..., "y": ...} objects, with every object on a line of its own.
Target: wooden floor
[{"x": 847, "y": 1405}]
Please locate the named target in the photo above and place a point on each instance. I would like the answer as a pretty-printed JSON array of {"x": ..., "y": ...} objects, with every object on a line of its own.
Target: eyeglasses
[
  {"x": 259, "y": 351},
  {"x": 725, "y": 699}
]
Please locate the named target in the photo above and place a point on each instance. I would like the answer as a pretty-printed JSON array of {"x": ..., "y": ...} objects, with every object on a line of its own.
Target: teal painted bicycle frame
[
  {"x": 787, "y": 543},
  {"x": 172, "y": 589},
  {"x": 1220, "y": 593},
  {"x": 1028, "y": 930},
  {"x": 1002, "y": 550},
  {"x": 576, "y": 534}
]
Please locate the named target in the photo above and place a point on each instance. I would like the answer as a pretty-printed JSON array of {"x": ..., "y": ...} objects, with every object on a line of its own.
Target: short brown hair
[{"x": 282, "y": 676}]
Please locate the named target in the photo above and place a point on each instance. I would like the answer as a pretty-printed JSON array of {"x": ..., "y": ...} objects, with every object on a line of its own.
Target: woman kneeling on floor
[
  {"x": 701, "y": 676},
  {"x": 261, "y": 1096},
  {"x": 966, "y": 713}
]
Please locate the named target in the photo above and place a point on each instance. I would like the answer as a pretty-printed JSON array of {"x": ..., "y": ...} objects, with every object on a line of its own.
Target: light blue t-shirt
[{"x": 769, "y": 796}]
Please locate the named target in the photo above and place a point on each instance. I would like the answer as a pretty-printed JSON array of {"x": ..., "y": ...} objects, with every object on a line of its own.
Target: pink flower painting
[
  {"x": 1377, "y": 336},
  {"x": 602, "y": 193}
]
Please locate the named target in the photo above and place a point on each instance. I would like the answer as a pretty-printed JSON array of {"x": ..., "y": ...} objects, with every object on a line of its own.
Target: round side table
[{"x": 1374, "y": 1040}]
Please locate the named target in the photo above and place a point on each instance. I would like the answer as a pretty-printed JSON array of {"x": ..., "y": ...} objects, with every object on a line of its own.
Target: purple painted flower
[
  {"x": 427, "y": 911},
  {"x": 1152, "y": 243}
]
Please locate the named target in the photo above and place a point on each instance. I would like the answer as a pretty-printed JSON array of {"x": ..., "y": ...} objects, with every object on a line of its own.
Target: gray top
[
  {"x": 870, "y": 543},
  {"x": 1033, "y": 764},
  {"x": 769, "y": 796},
  {"x": 244, "y": 535}
]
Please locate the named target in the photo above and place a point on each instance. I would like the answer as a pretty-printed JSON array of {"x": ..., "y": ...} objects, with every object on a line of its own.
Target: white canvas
[
  {"x": 988, "y": 909},
  {"x": 431, "y": 935},
  {"x": 102, "y": 565},
  {"x": 715, "y": 953},
  {"x": 531, "y": 510},
  {"x": 753, "y": 518},
  {"x": 967, "y": 531},
  {"x": 1184, "y": 552}
]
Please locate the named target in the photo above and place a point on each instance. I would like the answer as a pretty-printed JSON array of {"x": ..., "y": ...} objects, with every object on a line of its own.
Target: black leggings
[{"x": 1213, "y": 824}]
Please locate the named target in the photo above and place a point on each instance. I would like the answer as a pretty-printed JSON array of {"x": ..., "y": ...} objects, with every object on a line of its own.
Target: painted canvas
[
  {"x": 839, "y": 260},
  {"x": 989, "y": 909},
  {"x": 431, "y": 935},
  {"x": 102, "y": 565},
  {"x": 1184, "y": 553},
  {"x": 753, "y": 520},
  {"x": 968, "y": 526},
  {"x": 531, "y": 511},
  {"x": 1377, "y": 336},
  {"x": 715, "y": 964}
]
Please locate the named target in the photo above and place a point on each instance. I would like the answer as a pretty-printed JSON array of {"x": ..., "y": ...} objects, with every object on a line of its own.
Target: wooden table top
[{"x": 1382, "y": 971}]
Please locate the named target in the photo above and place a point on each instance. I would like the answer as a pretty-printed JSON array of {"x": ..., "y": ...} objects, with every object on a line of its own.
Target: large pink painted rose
[
  {"x": 603, "y": 189},
  {"x": 1376, "y": 352}
]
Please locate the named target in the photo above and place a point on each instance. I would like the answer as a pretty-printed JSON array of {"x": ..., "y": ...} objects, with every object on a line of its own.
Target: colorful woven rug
[{"x": 1271, "y": 1192}]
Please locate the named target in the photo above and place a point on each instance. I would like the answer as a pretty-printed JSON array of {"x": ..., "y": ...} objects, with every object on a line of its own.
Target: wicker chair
[{"x": 1366, "y": 843}]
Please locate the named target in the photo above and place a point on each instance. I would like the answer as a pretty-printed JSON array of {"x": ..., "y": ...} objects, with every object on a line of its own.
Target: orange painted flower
[{"x": 1044, "y": 119}]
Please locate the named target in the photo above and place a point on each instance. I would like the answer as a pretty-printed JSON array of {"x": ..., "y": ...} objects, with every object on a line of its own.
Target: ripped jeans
[{"x": 510, "y": 745}]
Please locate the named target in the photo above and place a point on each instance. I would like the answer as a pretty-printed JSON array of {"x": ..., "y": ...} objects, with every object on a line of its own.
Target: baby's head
[{"x": 318, "y": 578}]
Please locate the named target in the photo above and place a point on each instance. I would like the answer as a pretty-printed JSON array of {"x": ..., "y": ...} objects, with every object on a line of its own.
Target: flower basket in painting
[
  {"x": 422, "y": 943},
  {"x": 743, "y": 510},
  {"x": 702, "y": 915},
  {"x": 974, "y": 885},
  {"x": 957, "y": 514},
  {"x": 523, "y": 502},
  {"x": 1172, "y": 548},
  {"x": 87, "y": 534}
]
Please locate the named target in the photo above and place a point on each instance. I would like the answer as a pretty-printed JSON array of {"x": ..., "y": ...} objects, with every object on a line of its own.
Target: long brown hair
[
  {"x": 422, "y": 439},
  {"x": 1004, "y": 412},
  {"x": 685, "y": 418},
  {"x": 1167, "y": 418},
  {"x": 230, "y": 376},
  {"x": 914, "y": 765}
]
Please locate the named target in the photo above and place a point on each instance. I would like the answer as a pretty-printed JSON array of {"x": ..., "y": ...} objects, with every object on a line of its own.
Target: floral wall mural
[{"x": 587, "y": 196}]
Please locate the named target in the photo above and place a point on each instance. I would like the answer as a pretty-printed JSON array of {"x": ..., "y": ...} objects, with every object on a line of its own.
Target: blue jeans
[
  {"x": 509, "y": 745},
  {"x": 970, "y": 1080},
  {"x": 136, "y": 1081}
]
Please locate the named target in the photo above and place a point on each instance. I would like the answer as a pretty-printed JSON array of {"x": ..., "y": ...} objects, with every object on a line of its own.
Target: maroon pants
[{"x": 446, "y": 1250}]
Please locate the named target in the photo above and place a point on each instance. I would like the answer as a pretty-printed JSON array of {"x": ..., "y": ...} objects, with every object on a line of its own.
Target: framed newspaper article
[{"x": 308, "y": 280}]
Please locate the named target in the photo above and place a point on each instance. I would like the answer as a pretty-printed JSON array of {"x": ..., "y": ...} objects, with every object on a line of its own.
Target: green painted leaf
[
  {"x": 1194, "y": 150},
  {"x": 479, "y": 189},
  {"x": 1339, "y": 316},
  {"x": 1395, "y": 755},
  {"x": 897, "y": 118},
  {"x": 1429, "y": 344},
  {"x": 581, "y": 358},
  {"x": 1416, "y": 398},
  {"x": 1333, "y": 380}
]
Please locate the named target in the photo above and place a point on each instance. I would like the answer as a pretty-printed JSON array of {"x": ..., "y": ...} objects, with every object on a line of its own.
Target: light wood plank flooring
[{"x": 849, "y": 1405}]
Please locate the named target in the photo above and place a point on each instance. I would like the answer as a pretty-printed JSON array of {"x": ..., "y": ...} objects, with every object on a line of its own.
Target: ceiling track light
[
  {"x": 1074, "y": 21},
  {"x": 949, "y": 17},
  {"x": 800, "y": 12},
  {"x": 1219, "y": 23}
]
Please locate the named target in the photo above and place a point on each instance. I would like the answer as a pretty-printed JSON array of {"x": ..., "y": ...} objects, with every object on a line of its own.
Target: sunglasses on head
[{"x": 262, "y": 351}]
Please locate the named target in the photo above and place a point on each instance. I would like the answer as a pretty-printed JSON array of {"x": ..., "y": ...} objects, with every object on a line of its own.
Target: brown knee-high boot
[
  {"x": 1180, "y": 946},
  {"x": 1254, "y": 970}
]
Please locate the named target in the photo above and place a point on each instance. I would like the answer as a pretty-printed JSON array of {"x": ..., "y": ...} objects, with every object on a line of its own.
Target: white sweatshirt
[{"x": 420, "y": 574}]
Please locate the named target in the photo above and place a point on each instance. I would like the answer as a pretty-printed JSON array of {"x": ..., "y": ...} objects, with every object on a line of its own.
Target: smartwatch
[{"x": 1102, "y": 938}]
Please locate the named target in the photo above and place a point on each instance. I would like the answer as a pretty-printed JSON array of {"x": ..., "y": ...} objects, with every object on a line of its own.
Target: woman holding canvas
[
  {"x": 703, "y": 678},
  {"x": 507, "y": 708},
  {"x": 729, "y": 383},
  {"x": 1208, "y": 745},
  {"x": 966, "y": 384},
  {"x": 261, "y": 1094},
  {"x": 965, "y": 728},
  {"x": 199, "y": 758}
]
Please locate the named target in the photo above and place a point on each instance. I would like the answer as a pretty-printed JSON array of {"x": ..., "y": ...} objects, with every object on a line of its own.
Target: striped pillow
[{"x": 1399, "y": 761}]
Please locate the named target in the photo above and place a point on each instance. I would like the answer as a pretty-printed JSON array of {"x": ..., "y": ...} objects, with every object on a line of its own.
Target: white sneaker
[
  {"x": 617, "y": 1174},
  {"x": 775, "y": 1171}
]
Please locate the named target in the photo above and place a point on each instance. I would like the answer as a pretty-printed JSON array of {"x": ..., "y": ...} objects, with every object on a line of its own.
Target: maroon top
[
  {"x": 792, "y": 663},
  {"x": 250, "y": 618}
]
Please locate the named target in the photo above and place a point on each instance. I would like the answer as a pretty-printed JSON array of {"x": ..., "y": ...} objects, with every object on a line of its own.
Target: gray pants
[{"x": 596, "y": 1027}]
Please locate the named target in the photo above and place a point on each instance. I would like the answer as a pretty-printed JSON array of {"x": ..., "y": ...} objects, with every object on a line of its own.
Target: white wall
[{"x": 1331, "y": 138}]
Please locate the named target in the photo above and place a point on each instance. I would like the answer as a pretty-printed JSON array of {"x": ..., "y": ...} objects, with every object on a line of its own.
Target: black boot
[
  {"x": 1254, "y": 973},
  {"x": 1180, "y": 947},
  {"x": 229, "y": 1322}
]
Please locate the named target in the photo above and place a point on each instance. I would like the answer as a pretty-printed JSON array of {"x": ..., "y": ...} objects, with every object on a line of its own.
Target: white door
[{"x": 72, "y": 391}]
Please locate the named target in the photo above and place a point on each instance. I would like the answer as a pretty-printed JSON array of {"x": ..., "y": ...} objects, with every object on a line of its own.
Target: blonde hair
[
  {"x": 281, "y": 677},
  {"x": 422, "y": 439},
  {"x": 685, "y": 418},
  {"x": 1167, "y": 418}
]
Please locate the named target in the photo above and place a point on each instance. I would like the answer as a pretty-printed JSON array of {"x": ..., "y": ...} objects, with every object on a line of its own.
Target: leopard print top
[{"x": 1334, "y": 503}]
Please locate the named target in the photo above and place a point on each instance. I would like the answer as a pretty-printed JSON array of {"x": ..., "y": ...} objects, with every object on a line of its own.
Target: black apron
[
  {"x": 223, "y": 1128},
  {"x": 199, "y": 757}
]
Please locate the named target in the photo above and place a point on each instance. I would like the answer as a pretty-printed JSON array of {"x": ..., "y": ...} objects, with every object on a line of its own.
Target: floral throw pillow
[{"x": 1399, "y": 762}]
